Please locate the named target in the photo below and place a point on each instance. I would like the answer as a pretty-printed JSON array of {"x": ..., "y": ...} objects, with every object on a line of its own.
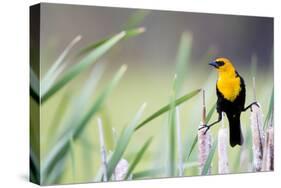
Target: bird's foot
[
  {"x": 254, "y": 103},
  {"x": 250, "y": 106},
  {"x": 204, "y": 126}
]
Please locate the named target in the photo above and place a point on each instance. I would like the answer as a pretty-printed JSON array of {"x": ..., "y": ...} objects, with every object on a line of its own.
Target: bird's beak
[{"x": 214, "y": 64}]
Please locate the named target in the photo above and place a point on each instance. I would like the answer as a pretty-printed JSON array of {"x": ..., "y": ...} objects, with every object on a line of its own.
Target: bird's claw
[
  {"x": 255, "y": 103},
  {"x": 204, "y": 126}
]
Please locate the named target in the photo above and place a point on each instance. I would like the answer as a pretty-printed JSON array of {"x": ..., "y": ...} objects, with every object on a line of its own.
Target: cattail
[
  {"x": 122, "y": 166},
  {"x": 103, "y": 150},
  {"x": 204, "y": 140},
  {"x": 180, "y": 161},
  {"x": 257, "y": 135},
  {"x": 268, "y": 155},
  {"x": 222, "y": 149},
  {"x": 121, "y": 170},
  {"x": 245, "y": 164},
  {"x": 244, "y": 160}
]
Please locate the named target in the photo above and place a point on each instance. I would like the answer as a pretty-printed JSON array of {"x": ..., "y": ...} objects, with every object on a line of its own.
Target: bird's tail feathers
[{"x": 235, "y": 133}]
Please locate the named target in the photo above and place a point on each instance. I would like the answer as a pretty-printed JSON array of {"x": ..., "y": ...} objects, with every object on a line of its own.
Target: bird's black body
[
  {"x": 233, "y": 110},
  {"x": 231, "y": 93}
]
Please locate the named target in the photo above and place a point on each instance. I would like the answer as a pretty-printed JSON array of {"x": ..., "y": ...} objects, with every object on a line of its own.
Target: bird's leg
[
  {"x": 250, "y": 106},
  {"x": 209, "y": 126}
]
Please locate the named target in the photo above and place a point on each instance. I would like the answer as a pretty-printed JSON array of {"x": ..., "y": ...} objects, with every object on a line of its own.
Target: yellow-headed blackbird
[{"x": 231, "y": 94}]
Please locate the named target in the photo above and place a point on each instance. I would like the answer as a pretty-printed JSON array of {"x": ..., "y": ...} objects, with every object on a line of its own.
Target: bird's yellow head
[{"x": 223, "y": 65}]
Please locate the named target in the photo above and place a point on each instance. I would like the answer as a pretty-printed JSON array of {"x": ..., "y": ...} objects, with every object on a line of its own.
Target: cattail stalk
[
  {"x": 268, "y": 155},
  {"x": 222, "y": 149},
  {"x": 204, "y": 140},
  {"x": 245, "y": 164},
  {"x": 254, "y": 89},
  {"x": 103, "y": 150},
  {"x": 257, "y": 135},
  {"x": 244, "y": 160},
  {"x": 180, "y": 161}
]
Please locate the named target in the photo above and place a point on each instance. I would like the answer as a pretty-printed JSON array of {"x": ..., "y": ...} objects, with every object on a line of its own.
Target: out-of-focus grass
[
  {"x": 127, "y": 96},
  {"x": 73, "y": 131},
  {"x": 138, "y": 157},
  {"x": 123, "y": 141},
  {"x": 140, "y": 84},
  {"x": 92, "y": 54}
]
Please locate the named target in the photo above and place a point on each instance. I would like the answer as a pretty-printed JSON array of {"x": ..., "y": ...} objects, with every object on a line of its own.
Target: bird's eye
[{"x": 220, "y": 63}]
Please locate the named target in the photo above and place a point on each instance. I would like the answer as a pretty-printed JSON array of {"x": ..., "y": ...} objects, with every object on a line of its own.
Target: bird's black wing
[
  {"x": 233, "y": 110},
  {"x": 221, "y": 101},
  {"x": 240, "y": 100}
]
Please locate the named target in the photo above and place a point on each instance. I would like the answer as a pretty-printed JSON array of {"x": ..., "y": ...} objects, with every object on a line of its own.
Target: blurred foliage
[{"x": 67, "y": 138}]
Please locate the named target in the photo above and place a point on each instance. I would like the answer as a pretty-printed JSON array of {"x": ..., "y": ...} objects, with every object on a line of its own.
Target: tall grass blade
[
  {"x": 55, "y": 163},
  {"x": 56, "y": 122},
  {"x": 138, "y": 157},
  {"x": 56, "y": 68},
  {"x": 182, "y": 61},
  {"x": 254, "y": 61},
  {"x": 61, "y": 58},
  {"x": 47, "y": 84},
  {"x": 177, "y": 84},
  {"x": 181, "y": 66},
  {"x": 269, "y": 114},
  {"x": 167, "y": 107},
  {"x": 129, "y": 33},
  {"x": 34, "y": 167},
  {"x": 61, "y": 149},
  {"x": 211, "y": 112},
  {"x": 56, "y": 176},
  {"x": 80, "y": 102},
  {"x": 171, "y": 139},
  {"x": 72, "y": 157},
  {"x": 99, "y": 174},
  {"x": 34, "y": 86},
  {"x": 103, "y": 150},
  {"x": 195, "y": 140},
  {"x": 180, "y": 155},
  {"x": 99, "y": 101},
  {"x": 136, "y": 18},
  {"x": 108, "y": 130},
  {"x": 84, "y": 63},
  {"x": 123, "y": 141}
]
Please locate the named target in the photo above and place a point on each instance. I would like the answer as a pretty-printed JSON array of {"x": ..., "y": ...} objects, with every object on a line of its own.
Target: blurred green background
[{"x": 151, "y": 61}]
